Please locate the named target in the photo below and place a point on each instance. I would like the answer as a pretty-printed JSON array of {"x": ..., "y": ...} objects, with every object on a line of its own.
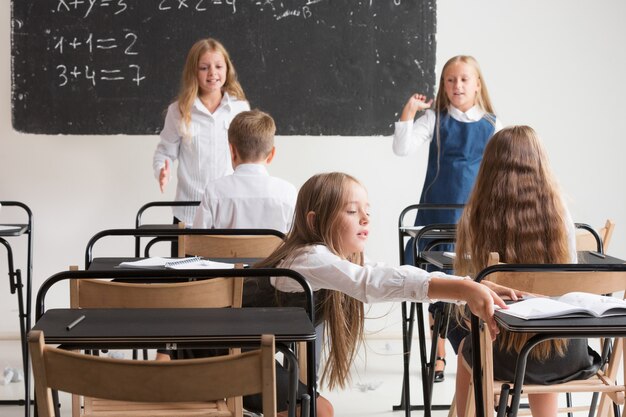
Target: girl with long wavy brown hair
[
  {"x": 325, "y": 245},
  {"x": 516, "y": 210}
]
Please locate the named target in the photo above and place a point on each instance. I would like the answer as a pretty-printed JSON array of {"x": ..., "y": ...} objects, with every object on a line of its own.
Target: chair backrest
[
  {"x": 555, "y": 282},
  {"x": 585, "y": 239},
  {"x": 228, "y": 246},
  {"x": 152, "y": 381},
  {"x": 216, "y": 292},
  {"x": 606, "y": 233}
]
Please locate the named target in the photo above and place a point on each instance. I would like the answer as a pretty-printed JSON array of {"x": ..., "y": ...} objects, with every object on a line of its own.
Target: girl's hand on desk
[
  {"x": 417, "y": 102},
  {"x": 505, "y": 292},
  {"x": 480, "y": 300},
  {"x": 164, "y": 176}
]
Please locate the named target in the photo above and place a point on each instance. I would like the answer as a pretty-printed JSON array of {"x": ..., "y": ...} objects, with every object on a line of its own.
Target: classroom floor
[{"x": 374, "y": 390}]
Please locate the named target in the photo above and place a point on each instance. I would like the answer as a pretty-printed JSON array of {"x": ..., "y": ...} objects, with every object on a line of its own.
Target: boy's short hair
[{"x": 252, "y": 134}]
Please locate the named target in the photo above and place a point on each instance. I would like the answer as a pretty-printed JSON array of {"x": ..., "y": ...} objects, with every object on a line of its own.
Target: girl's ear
[{"x": 310, "y": 220}]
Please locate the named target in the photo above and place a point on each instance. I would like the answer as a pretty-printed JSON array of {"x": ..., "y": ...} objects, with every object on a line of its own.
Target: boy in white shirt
[{"x": 249, "y": 198}]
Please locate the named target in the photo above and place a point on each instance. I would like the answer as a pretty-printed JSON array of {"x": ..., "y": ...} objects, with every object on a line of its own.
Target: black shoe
[{"x": 439, "y": 375}]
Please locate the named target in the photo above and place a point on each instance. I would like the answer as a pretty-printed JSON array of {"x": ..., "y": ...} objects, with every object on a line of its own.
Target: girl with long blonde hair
[
  {"x": 325, "y": 245},
  {"x": 516, "y": 210},
  {"x": 196, "y": 125},
  {"x": 458, "y": 125}
]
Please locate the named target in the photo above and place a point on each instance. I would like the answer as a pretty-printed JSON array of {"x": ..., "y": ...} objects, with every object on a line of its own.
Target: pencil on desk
[{"x": 74, "y": 323}]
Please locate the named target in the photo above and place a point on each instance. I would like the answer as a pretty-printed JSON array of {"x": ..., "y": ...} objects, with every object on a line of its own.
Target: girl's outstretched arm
[{"x": 479, "y": 298}]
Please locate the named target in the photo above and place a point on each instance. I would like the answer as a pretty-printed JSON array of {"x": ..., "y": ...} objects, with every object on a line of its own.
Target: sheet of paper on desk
[
  {"x": 8, "y": 227},
  {"x": 193, "y": 262},
  {"x": 198, "y": 264},
  {"x": 152, "y": 262}
]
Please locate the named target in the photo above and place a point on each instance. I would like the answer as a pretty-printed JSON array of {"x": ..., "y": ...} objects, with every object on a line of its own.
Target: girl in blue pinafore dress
[{"x": 458, "y": 129}]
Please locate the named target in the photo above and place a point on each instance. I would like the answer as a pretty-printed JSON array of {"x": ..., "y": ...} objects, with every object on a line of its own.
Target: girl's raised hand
[
  {"x": 164, "y": 176},
  {"x": 417, "y": 102}
]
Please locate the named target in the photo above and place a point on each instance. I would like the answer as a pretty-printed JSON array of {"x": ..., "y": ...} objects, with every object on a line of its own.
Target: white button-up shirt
[
  {"x": 372, "y": 282},
  {"x": 203, "y": 157},
  {"x": 248, "y": 199},
  {"x": 409, "y": 135}
]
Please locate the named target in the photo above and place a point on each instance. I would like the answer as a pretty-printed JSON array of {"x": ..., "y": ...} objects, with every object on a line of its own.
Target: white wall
[{"x": 557, "y": 66}]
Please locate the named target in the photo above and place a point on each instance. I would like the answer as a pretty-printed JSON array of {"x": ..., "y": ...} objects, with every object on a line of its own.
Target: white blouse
[
  {"x": 372, "y": 282},
  {"x": 203, "y": 157},
  {"x": 410, "y": 135}
]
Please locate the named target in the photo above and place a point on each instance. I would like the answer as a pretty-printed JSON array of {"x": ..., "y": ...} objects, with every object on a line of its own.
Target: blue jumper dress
[{"x": 461, "y": 150}]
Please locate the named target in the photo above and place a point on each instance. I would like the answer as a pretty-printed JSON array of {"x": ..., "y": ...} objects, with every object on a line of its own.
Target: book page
[
  {"x": 540, "y": 308},
  {"x": 599, "y": 304},
  {"x": 574, "y": 304}
]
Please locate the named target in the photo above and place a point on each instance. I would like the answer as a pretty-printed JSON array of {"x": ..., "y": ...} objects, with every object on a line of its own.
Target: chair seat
[
  {"x": 597, "y": 383},
  {"x": 97, "y": 407}
]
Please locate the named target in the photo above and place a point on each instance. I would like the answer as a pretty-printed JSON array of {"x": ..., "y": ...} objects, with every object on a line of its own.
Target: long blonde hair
[
  {"x": 515, "y": 209},
  {"x": 442, "y": 101},
  {"x": 189, "y": 81},
  {"x": 326, "y": 196}
]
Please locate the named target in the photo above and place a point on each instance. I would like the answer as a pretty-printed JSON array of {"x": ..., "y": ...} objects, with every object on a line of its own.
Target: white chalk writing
[
  {"x": 68, "y": 74},
  {"x": 89, "y": 7},
  {"x": 73, "y": 43}
]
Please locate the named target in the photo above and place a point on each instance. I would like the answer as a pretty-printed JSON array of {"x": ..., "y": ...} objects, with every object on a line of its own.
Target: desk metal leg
[
  {"x": 427, "y": 364},
  {"x": 16, "y": 286},
  {"x": 407, "y": 336},
  {"x": 293, "y": 379},
  {"x": 311, "y": 375}
]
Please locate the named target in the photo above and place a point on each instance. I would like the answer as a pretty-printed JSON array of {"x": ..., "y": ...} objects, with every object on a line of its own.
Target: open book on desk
[
  {"x": 573, "y": 304},
  {"x": 194, "y": 262}
]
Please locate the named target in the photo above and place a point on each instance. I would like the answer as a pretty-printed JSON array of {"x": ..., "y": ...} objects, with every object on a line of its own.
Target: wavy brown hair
[
  {"x": 515, "y": 209},
  {"x": 326, "y": 195},
  {"x": 189, "y": 81}
]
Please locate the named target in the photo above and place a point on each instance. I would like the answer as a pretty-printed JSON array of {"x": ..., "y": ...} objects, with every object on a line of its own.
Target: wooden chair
[
  {"x": 191, "y": 382},
  {"x": 585, "y": 239},
  {"x": 217, "y": 292},
  {"x": 251, "y": 243},
  {"x": 552, "y": 282},
  {"x": 212, "y": 293}
]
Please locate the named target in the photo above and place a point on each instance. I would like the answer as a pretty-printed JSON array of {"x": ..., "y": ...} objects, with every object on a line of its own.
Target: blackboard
[{"x": 320, "y": 67}]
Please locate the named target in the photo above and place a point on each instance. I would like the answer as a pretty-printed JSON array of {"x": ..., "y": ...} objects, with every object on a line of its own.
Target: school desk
[
  {"x": 434, "y": 234},
  {"x": 443, "y": 260},
  {"x": 174, "y": 328},
  {"x": 614, "y": 326},
  {"x": 22, "y": 290},
  {"x": 171, "y": 233}
]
